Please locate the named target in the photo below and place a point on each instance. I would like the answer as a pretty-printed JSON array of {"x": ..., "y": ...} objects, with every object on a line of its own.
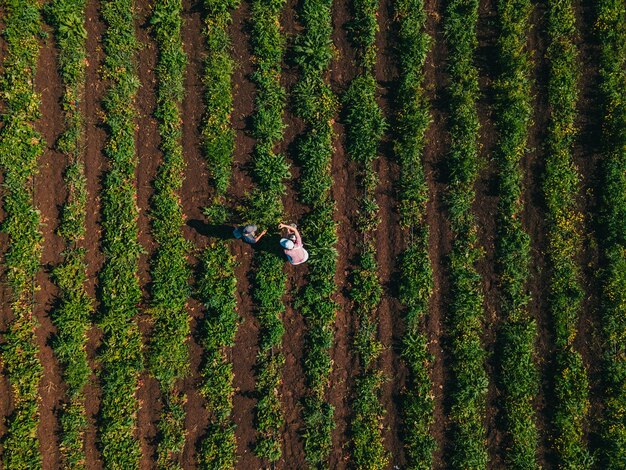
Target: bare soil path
[
  {"x": 49, "y": 196},
  {"x": 95, "y": 165},
  {"x": 344, "y": 192},
  {"x": 195, "y": 196},
  {"x": 149, "y": 158},
  {"x": 437, "y": 144}
]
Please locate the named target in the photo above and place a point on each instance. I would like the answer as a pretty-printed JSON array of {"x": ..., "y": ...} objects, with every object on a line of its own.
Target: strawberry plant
[
  {"x": 265, "y": 207},
  {"x": 217, "y": 285},
  {"x": 217, "y": 289}
]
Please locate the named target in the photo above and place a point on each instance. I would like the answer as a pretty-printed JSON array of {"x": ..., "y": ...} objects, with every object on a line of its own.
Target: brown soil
[
  {"x": 588, "y": 158},
  {"x": 485, "y": 207},
  {"x": 389, "y": 245},
  {"x": 533, "y": 219},
  {"x": 95, "y": 165},
  {"x": 437, "y": 143},
  {"x": 344, "y": 192},
  {"x": 49, "y": 201},
  {"x": 246, "y": 342},
  {"x": 149, "y": 158},
  {"x": 293, "y": 390},
  {"x": 194, "y": 197}
]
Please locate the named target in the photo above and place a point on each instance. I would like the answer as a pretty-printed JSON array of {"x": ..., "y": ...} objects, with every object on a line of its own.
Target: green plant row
[
  {"x": 168, "y": 354},
  {"x": 75, "y": 308},
  {"x": 217, "y": 285},
  {"x": 561, "y": 185},
  {"x": 217, "y": 289},
  {"x": 218, "y": 135},
  {"x": 316, "y": 104},
  {"x": 611, "y": 31},
  {"x": 121, "y": 351},
  {"x": 265, "y": 208},
  {"x": 20, "y": 147},
  {"x": 518, "y": 378},
  {"x": 365, "y": 126},
  {"x": 416, "y": 276},
  {"x": 269, "y": 288},
  {"x": 470, "y": 381}
]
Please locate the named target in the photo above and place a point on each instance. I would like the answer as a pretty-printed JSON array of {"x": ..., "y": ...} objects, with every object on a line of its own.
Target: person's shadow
[
  {"x": 220, "y": 231},
  {"x": 269, "y": 243}
]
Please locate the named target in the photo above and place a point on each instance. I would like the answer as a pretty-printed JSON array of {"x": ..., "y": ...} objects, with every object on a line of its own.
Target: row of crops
[{"x": 163, "y": 352}]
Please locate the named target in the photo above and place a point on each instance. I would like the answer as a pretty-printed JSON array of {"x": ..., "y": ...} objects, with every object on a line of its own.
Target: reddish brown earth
[
  {"x": 95, "y": 166},
  {"x": 196, "y": 195},
  {"x": 485, "y": 207},
  {"x": 49, "y": 196},
  {"x": 293, "y": 389},
  {"x": 440, "y": 236},
  {"x": 343, "y": 192},
  {"x": 149, "y": 158},
  {"x": 588, "y": 159}
]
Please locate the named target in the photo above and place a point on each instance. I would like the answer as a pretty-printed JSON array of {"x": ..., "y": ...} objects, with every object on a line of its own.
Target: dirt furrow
[
  {"x": 587, "y": 153},
  {"x": 195, "y": 195},
  {"x": 149, "y": 158},
  {"x": 345, "y": 193},
  {"x": 389, "y": 243},
  {"x": 95, "y": 165},
  {"x": 246, "y": 342},
  {"x": 295, "y": 329},
  {"x": 485, "y": 208},
  {"x": 437, "y": 144},
  {"x": 533, "y": 219},
  {"x": 49, "y": 196}
]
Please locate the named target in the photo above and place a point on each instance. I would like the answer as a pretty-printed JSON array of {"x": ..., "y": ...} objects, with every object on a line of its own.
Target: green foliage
[
  {"x": 362, "y": 31},
  {"x": 519, "y": 379},
  {"x": 368, "y": 452},
  {"x": 468, "y": 397},
  {"x": 265, "y": 208},
  {"x": 269, "y": 288},
  {"x": 416, "y": 277},
  {"x": 561, "y": 186},
  {"x": 217, "y": 289},
  {"x": 121, "y": 352},
  {"x": 611, "y": 31},
  {"x": 365, "y": 126},
  {"x": 168, "y": 355},
  {"x": 20, "y": 147},
  {"x": 218, "y": 135},
  {"x": 73, "y": 315},
  {"x": 270, "y": 168},
  {"x": 217, "y": 284},
  {"x": 316, "y": 104}
]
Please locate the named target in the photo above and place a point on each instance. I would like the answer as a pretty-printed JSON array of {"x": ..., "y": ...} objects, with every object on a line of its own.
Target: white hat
[{"x": 286, "y": 244}]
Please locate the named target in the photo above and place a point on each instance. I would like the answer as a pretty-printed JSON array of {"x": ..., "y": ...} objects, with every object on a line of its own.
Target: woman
[{"x": 292, "y": 245}]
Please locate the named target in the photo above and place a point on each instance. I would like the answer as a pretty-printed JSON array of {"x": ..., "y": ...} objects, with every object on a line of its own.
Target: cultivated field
[{"x": 457, "y": 169}]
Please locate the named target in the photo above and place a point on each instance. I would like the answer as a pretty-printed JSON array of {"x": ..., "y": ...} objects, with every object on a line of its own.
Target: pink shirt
[{"x": 297, "y": 255}]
